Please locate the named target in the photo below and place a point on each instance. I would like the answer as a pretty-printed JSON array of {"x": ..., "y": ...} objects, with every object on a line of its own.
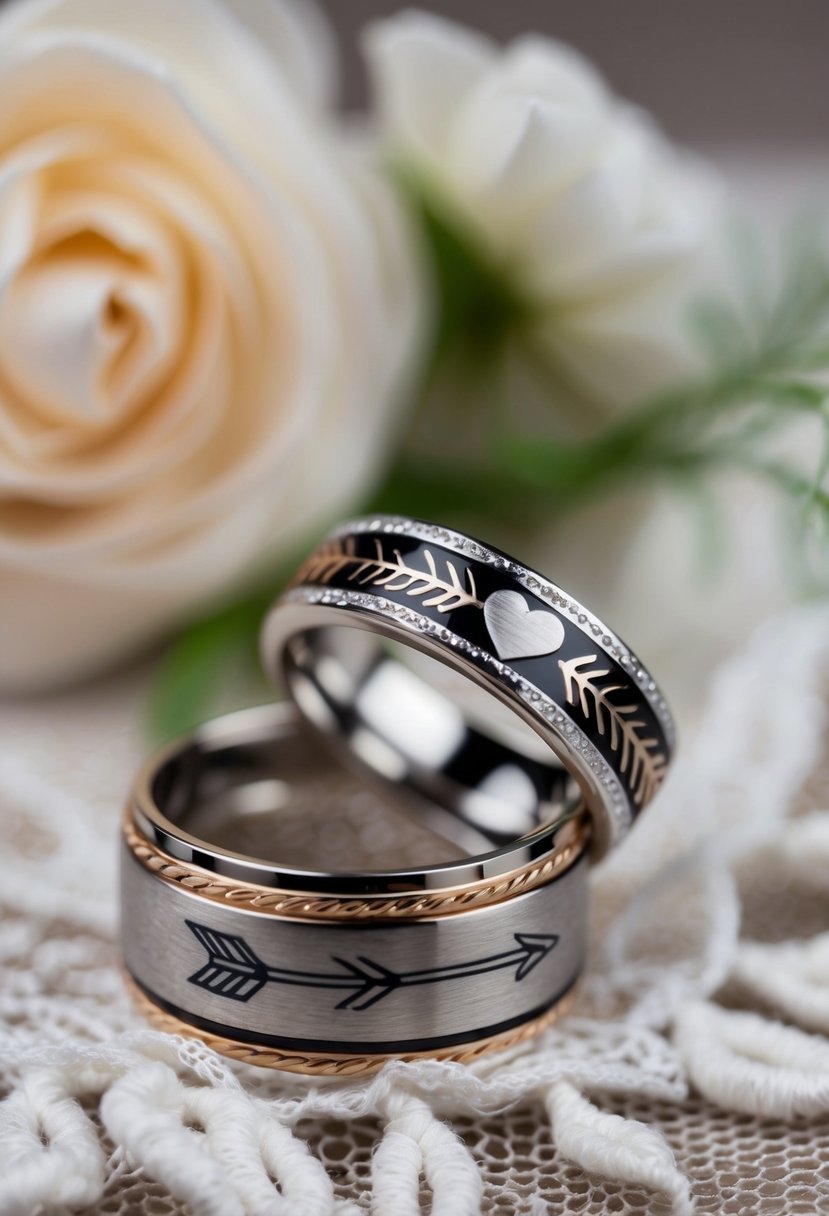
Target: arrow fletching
[
  {"x": 373, "y": 982},
  {"x": 233, "y": 970}
]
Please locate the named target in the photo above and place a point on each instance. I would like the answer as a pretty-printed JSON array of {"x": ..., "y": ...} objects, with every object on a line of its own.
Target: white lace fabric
[{"x": 693, "y": 1075}]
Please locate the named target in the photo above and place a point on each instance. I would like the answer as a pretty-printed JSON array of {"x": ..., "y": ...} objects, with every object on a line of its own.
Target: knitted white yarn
[{"x": 102, "y": 1114}]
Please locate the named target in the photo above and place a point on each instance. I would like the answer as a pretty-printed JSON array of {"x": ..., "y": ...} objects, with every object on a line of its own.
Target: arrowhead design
[{"x": 537, "y": 946}]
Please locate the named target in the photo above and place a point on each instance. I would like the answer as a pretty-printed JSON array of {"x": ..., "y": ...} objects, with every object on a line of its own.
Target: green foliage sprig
[{"x": 768, "y": 352}]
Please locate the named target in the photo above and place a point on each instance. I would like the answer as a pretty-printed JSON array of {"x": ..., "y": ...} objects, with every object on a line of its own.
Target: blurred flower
[
  {"x": 580, "y": 205},
  {"x": 207, "y": 302}
]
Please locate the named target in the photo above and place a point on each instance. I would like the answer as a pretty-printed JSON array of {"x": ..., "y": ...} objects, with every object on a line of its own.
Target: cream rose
[
  {"x": 207, "y": 302},
  {"x": 598, "y": 223}
]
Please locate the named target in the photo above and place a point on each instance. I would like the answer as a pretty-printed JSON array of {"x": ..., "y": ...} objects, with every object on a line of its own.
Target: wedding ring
[
  {"x": 334, "y": 970},
  {"x": 506, "y": 628}
]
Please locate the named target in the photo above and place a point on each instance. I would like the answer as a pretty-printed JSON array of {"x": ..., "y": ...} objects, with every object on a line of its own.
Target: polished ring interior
[
  {"x": 500, "y": 624},
  {"x": 333, "y": 983},
  {"x": 241, "y": 749}
]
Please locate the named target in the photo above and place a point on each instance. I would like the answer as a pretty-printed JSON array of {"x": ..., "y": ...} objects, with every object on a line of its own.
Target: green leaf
[
  {"x": 799, "y": 395},
  {"x": 720, "y": 330},
  {"x": 189, "y": 680},
  {"x": 478, "y": 304},
  {"x": 436, "y": 489}
]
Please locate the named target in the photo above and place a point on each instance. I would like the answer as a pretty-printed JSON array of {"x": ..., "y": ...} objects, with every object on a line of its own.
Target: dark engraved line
[{"x": 235, "y": 971}]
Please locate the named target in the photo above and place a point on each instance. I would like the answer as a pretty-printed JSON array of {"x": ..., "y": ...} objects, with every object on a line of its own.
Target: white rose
[
  {"x": 600, "y": 225},
  {"x": 206, "y": 303}
]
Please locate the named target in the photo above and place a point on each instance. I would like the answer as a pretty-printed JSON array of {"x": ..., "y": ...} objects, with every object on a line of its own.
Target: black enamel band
[{"x": 503, "y": 625}]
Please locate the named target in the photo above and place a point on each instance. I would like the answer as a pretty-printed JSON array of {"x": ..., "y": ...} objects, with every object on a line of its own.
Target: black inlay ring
[{"x": 501, "y": 624}]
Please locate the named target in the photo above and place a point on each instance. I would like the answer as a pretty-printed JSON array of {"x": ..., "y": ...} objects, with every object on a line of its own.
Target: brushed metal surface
[
  {"x": 162, "y": 952},
  {"x": 517, "y": 631}
]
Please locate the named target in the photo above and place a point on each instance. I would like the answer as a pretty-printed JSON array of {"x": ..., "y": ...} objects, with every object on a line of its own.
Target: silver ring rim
[
  {"x": 269, "y": 721},
  {"x": 306, "y": 607}
]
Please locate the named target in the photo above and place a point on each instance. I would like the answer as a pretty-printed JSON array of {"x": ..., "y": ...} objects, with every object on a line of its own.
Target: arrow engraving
[{"x": 235, "y": 971}]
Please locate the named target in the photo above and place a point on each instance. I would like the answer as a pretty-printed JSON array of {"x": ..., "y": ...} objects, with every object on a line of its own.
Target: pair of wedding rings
[{"x": 334, "y": 969}]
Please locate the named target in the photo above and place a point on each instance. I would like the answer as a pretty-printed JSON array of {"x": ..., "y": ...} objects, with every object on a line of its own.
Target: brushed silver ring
[
  {"x": 503, "y": 626},
  {"x": 333, "y": 972}
]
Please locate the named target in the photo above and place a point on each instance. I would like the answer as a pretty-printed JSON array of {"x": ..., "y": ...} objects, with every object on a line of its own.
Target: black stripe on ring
[{"x": 347, "y": 1047}]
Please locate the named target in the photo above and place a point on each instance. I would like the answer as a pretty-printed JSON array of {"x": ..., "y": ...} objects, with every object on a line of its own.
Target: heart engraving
[{"x": 518, "y": 631}]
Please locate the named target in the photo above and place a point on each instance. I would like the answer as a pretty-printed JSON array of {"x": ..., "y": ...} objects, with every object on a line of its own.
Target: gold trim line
[
  {"x": 296, "y": 905},
  {"x": 332, "y": 1064}
]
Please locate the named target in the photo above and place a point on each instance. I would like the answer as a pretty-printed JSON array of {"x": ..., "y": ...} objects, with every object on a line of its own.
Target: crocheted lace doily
[{"x": 693, "y": 1074}]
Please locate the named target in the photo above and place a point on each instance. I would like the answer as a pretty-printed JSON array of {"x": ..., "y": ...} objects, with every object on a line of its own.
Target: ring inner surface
[
  {"x": 429, "y": 731},
  {"x": 256, "y": 798},
  {"x": 285, "y": 798}
]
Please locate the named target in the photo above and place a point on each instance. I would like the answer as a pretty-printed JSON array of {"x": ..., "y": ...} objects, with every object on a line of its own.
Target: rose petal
[
  {"x": 300, "y": 40},
  {"x": 89, "y": 328},
  {"x": 410, "y": 48},
  {"x": 288, "y": 265},
  {"x": 238, "y": 42},
  {"x": 594, "y": 222},
  {"x": 529, "y": 124},
  {"x": 257, "y": 227}
]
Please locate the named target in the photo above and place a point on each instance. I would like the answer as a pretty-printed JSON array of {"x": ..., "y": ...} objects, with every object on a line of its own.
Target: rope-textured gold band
[
  {"x": 571, "y": 841},
  {"x": 331, "y": 1064}
]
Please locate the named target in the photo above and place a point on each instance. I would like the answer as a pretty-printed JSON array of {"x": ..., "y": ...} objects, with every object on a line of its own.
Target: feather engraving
[
  {"x": 393, "y": 572},
  {"x": 640, "y": 757}
]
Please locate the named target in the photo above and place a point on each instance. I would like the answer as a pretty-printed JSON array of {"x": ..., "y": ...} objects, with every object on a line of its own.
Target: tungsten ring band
[
  {"x": 333, "y": 971},
  {"x": 382, "y": 581}
]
